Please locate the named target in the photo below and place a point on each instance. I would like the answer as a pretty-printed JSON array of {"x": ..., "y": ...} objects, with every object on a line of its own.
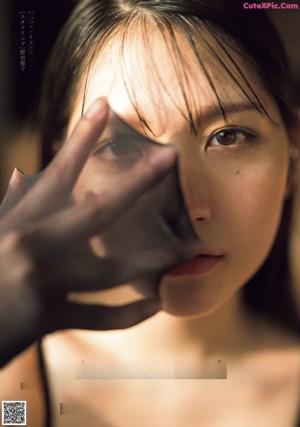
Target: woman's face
[{"x": 233, "y": 174}]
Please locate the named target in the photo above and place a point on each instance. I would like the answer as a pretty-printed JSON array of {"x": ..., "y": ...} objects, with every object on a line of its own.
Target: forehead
[{"x": 165, "y": 78}]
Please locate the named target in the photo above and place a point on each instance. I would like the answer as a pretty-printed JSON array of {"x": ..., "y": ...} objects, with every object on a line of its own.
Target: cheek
[
  {"x": 246, "y": 201},
  {"x": 89, "y": 181},
  {"x": 246, "y": 214},
  {"x": 254, "y": 199}
]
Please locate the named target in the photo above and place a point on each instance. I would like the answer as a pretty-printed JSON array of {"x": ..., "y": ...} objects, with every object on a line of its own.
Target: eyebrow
[
  {"x": 208, "y": 113},
  {"x": 213, "y": 112}
]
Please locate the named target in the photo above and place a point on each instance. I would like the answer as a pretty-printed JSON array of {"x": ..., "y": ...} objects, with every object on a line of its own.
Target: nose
[
  {"x": 195, "y": 181},
  {"x": 196, "y": 195}
]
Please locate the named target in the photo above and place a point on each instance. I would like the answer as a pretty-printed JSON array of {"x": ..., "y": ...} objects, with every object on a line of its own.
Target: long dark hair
[{"x": 232, "y": 29}]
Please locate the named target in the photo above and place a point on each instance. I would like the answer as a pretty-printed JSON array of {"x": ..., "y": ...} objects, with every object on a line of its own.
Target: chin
[
  {"x": 190, "y": 297},
  {"x": 184, "y": 312}
]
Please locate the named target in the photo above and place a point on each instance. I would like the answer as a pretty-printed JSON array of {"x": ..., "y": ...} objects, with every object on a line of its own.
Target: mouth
[{"x": 203, "y": 263}]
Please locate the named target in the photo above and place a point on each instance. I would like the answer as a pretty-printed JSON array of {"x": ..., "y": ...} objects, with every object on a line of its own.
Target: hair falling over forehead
[
  {"x": 221, "y": 27},
  {"x": 136, "y": 32}
]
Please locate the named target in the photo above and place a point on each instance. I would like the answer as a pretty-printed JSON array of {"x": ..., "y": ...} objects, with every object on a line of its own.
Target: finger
[
  {"x": 14, "y": 193},
  {"x": 52, "y": 190},
  {"x": 90, "y": 273},
  {"x": 101, "y": 317},
  {"x": 83, "y": 274},
  {"x": 19, "y": 184},
  {"x": 71, "y": 158},
  {"x": 99, "y": 211}
]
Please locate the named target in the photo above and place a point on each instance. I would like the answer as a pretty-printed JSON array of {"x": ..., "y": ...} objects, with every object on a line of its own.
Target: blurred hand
[{"x": 44, "y": 243}]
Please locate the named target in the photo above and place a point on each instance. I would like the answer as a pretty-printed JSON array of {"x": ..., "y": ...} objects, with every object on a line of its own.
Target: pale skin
[{"x": 234, "y": 195}]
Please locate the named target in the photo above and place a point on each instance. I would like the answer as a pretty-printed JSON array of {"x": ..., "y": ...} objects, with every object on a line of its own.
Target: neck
[
  {"x": 230, "y": 330},
  {"x": 191, "y": 347},
  {"x": 226, "y": 330},
  {"x": 166, "y": 346}
]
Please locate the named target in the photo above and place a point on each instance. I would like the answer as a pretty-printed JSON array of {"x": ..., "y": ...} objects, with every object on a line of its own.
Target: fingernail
[
  {"x": 96, "y": 109},
  {"x": 163, "y": 157},
  {"x": 151, "y": 307}
]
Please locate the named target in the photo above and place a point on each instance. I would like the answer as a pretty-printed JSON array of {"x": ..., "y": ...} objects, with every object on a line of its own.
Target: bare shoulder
[{"x": 20, "y": 380}]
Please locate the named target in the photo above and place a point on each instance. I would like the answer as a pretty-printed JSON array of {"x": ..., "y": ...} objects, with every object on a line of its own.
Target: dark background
[{"x": 20, "y": 88}]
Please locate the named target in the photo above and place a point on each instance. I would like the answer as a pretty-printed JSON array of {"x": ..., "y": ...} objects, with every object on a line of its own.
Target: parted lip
[{"x": 202, "y": 263}]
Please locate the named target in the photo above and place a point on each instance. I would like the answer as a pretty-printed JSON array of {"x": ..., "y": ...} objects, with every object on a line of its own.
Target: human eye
[
  {"x": 232, "y": 136},
  {"x": 119, "y": 151}
]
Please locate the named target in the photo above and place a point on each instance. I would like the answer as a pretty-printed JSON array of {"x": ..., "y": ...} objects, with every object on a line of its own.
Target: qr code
[{"x": 13, "y": 413}]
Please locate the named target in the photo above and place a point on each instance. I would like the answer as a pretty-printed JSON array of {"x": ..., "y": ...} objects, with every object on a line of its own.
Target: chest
[{"x": 245, "y": 398}]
